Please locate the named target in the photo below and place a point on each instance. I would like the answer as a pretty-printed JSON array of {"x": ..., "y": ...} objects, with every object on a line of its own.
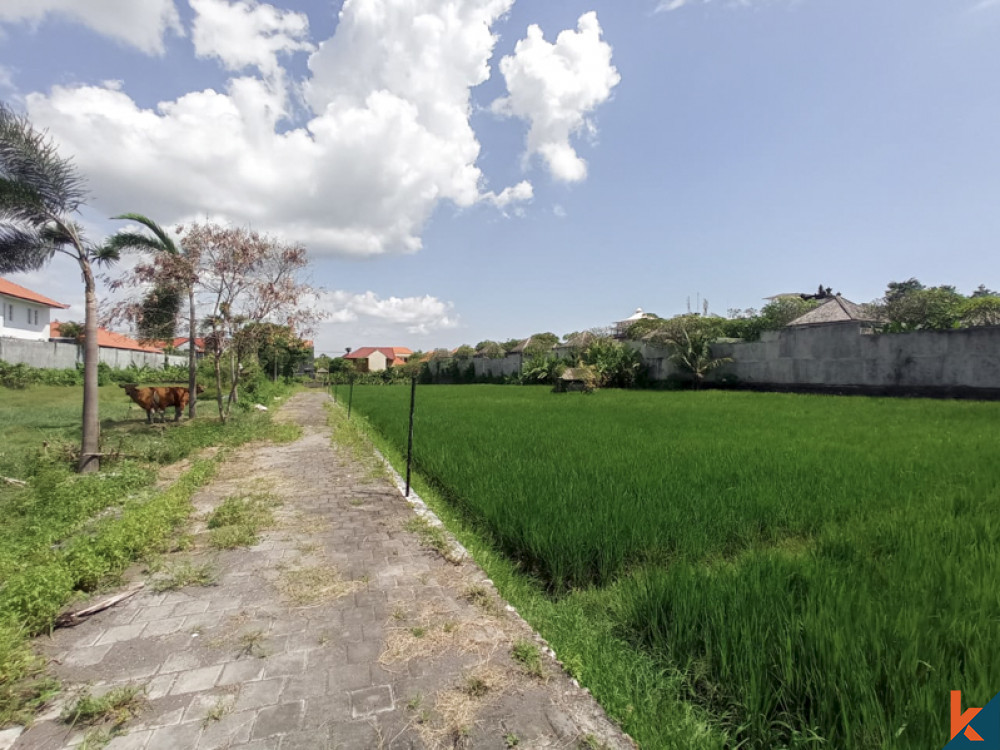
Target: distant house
[
  {"x": 110, "y": 340},
  {"x": 180, "y": 344},
  {"x": 835, "y": 310},
  {"x": 378, "y": 358},
  {"x": 621, "y": 326},
  {"x": 24, "y": 314}
]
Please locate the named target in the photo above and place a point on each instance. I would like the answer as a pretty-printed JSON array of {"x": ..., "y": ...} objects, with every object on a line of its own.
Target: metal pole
[
  {"x": 350, "y": 398},
  {"x": 409, "y": 439}
]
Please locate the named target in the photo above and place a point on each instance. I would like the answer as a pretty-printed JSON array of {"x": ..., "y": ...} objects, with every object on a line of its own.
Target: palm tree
[
  {"x": 179, "y": 275},
  {"x": 693, "y": 353},
  {"x": 39, "y": 193}
]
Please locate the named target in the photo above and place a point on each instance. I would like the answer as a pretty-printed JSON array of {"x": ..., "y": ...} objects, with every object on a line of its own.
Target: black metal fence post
[
  {"x": 350, "y": 398},
  {"x": 409, "y": 439}
]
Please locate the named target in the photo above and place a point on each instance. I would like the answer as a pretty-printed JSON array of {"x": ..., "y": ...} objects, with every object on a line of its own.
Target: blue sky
[{"x": 708, "y": 149}]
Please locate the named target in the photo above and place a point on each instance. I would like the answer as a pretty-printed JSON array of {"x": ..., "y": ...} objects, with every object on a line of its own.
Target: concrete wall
[
  {"x": 497, "y": 368},
  {"x": 59, "y": 356},
  {"x": 849, "y": 354}
]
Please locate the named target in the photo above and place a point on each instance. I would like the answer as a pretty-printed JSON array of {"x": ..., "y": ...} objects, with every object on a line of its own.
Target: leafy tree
[
  {"x": 897, "y": 289},
  {"x": 40, "y": 192},
  {"x": 982, "y": 291},
  {"x": 935, "y": 308},
  {"x": 749, "y": 324},
  {"x": 510, "y": 344},
  {"x": 542, "y": 369},
  {"x": 983, "y": 310},
  {"x": 643, "y": 327},
  {"x": 72, "y": 329},
  {"x": 173, "y": 272},
  {"x": 279, "y": 351},
  {"x": 615, "y": 364},
  {"x": 464, "y": 352},
  {"x": 540, "y": 343}
]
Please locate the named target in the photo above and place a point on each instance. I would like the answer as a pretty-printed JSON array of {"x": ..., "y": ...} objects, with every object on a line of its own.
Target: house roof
[
  {"x": 834, "y": 310},
  {"x": 390, "y": 352},
  {"x": 637, "y": 315},
  {"x": 199, "y": 343},
  {"x": 111, "y": 340},
  {"x": 16, "y": 290}
]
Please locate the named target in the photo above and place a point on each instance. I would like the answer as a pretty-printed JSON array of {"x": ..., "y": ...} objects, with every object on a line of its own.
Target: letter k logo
[{"x": 960, "y": 721}]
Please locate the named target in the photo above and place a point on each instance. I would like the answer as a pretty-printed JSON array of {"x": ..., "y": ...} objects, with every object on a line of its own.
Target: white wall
[
  {"x": 376, "y": 362},
  {"x": 21, "y": 325}
]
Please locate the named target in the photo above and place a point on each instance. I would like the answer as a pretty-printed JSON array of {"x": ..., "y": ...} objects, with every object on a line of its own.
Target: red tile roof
[
  {"x": 16, "y": 290},
  {"x": 111, "y": 340},
  {"x": 390, "y": 352},
  {"x": 199, "y": 343}
]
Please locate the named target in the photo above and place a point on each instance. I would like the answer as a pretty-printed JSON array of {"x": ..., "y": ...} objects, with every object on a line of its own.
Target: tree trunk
[
  {"x": 90, "y": 445},
  {"x": 192, "y": 357},
  {"x": 218, "y": 385}
]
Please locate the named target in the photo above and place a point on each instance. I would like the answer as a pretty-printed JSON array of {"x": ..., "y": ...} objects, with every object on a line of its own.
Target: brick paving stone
[
  {"x": 196, "y": 679},
  {"x": 278, "y": 720},
  {"x": 370, "y": 701},
  {"x": 175, "y": 737},
  {"x": 259, "y": 694}
]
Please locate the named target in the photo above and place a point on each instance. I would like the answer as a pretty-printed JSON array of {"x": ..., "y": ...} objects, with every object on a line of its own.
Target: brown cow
[{"x": 157, "y": 399}]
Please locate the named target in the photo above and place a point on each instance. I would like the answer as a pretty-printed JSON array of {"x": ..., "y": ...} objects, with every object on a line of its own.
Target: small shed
[{"x": 575, "y": 379}]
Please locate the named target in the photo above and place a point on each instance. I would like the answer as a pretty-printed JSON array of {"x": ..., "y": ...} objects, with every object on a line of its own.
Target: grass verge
[
  {"x": 647, "y": 700},
  {"x": 65, "y": 535}
]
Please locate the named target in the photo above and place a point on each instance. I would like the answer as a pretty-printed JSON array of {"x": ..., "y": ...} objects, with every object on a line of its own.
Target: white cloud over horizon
[
  {"x": 142, "y": 25},
  {"x": 554, "y": 87},
  {"x": 414, "y": 315},
  {"x": 386, "y": 139}
]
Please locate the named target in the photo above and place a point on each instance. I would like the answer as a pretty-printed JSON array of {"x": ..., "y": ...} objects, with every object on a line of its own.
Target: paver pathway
[{"x": 337, "y": 630}]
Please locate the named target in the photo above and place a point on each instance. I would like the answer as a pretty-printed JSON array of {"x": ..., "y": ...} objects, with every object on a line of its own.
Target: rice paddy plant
[{"x": 820, "y": 569}]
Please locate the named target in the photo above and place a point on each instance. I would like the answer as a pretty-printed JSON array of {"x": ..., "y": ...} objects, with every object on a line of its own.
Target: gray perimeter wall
[
  {"x": 53, "y": 355},
  {"x": 848, "y": 354}
]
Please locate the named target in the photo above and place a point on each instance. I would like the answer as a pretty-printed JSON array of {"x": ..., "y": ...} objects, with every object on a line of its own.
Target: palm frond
[
  {"x": 105, "y": 256},
  {"x": 165, "y": 244},
  {"x": 30, "y": 159},
  {"x": 22, "y": 248},
  {"x": 132, "y": 242}
]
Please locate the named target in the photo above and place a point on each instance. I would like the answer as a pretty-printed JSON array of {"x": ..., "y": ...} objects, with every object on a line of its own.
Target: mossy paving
[{"x": 338, "y": 627}]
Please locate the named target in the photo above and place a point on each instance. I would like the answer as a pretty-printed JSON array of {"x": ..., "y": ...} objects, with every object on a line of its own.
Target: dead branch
[
  {"x": 69, "y": 619},
  {"x": 16, "y": 482}
]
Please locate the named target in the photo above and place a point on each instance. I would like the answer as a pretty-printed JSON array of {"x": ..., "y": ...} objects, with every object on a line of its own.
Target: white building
[{"x": 25, "y": 314}]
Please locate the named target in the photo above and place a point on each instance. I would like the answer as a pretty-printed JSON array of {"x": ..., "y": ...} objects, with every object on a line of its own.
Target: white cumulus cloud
[
  {"x": 139, "y": 23},
  {"x": 247, "y": 34},
  {"x": 554, "y": 87},
  {"x": 386, "y": 140},
  {"x": 415, "y": 315}
]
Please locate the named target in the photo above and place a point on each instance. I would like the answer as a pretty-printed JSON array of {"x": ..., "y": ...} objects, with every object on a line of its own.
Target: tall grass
[{"x": 818, "y": 568}]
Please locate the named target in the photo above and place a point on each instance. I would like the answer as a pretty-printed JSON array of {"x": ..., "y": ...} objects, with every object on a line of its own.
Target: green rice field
[{"x": 804, "y": 570}]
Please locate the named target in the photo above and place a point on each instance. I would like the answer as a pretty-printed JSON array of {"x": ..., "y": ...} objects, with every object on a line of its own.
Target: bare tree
[{"x": 246, "y": 278}]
